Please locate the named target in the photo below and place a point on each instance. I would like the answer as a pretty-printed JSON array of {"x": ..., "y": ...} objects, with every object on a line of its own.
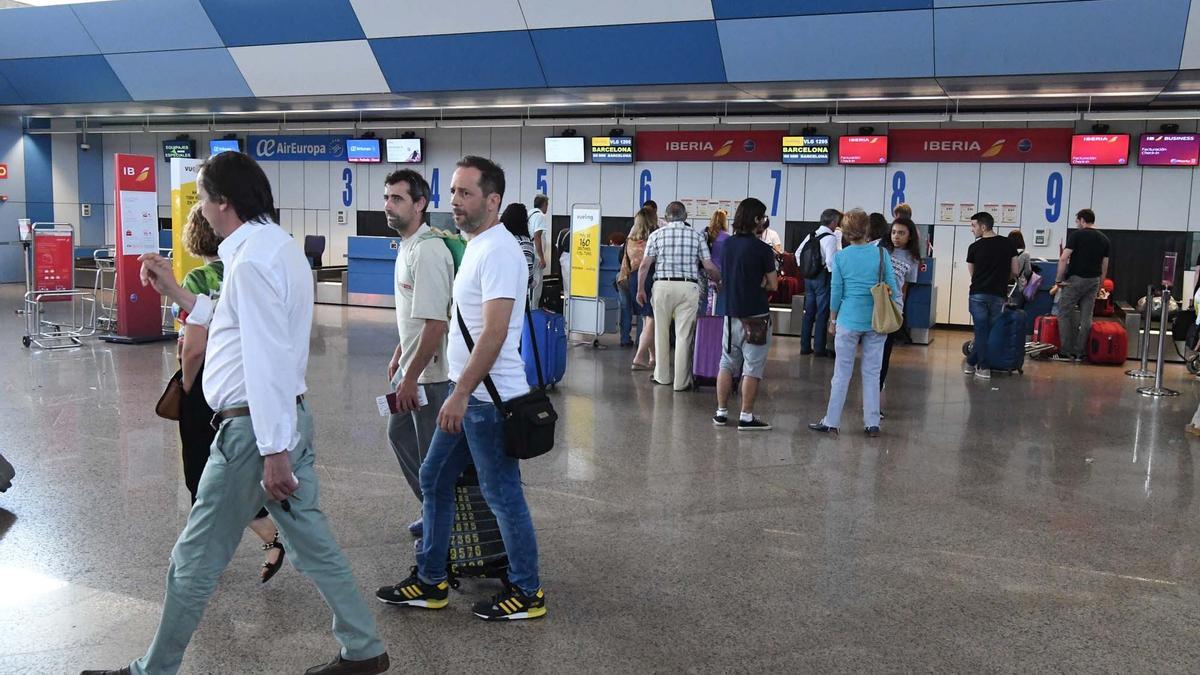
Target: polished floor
[{"x": 1044, "y": 522}]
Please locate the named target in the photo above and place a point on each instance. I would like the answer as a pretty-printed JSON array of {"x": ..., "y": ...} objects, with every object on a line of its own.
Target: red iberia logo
[{"x": 996, "y": 149}]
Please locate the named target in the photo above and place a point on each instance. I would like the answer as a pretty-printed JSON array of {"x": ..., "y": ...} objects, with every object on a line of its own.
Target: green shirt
[{"x": 204, "y": 280}]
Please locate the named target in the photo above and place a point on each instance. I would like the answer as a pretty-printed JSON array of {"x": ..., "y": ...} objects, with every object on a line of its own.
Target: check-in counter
[
  {"x": 370, "y": 274},
  {"x": 921, "y": 305}
]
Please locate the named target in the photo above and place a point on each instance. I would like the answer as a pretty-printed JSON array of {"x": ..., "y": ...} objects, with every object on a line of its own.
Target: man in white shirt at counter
[
  {"x": 254, "y": 378},
  {"x": 539, "y": 232}
]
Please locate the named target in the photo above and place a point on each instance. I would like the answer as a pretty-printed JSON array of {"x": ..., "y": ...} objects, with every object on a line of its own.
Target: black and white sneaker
[
  {"x": 720, "y": 420},
  {"x": 754, "y": 424}
]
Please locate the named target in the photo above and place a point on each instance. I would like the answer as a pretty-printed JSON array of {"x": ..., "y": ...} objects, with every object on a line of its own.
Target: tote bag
[{"x": 885, "y": 316}]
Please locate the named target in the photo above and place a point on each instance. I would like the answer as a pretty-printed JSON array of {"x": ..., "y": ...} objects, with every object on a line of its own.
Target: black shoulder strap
[{"x": 487, "y": 379}]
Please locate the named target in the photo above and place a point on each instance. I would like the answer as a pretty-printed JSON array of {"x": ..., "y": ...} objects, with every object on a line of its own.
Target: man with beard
[
  {"x": 424, "y": 273},
  {"x": 489, "y": 294}
]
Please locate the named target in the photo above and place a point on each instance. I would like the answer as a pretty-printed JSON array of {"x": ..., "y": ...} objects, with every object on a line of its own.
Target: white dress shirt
[
  {"x": 829, "y": 246},
  {"x": 771, "y": 238},
  {"x": 258, "y": 336}
]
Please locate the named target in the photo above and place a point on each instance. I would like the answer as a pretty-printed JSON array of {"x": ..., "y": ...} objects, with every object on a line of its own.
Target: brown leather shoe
[
  {"x": 340, "y": 666},
  {"x": 121, "y": 671}
]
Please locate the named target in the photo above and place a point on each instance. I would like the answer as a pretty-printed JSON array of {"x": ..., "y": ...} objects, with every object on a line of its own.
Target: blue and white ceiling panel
[
  {"x": 760, "y": 50},
  {"x": 64, "y": 79},
  {"x": 661, "y": 53},
  {"x": 473, "y": 61},
  {"x": 579, "y": 13},
  {"x": 745, "y": 9},
  {"x": 119, "y": 27},
  {"x": 271, "y": 22},
  {"x": 8, "y": 95},
  {"x": 310, "y": 69},
  {"x": 1070, "y": 37},
  {"x": 180, "y": 75},
  {"x": 410, "y": 18},
  {"x": 42, "y": 31}
]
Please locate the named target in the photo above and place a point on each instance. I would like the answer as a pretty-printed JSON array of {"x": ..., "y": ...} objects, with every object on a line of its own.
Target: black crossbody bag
[{"x": 529, "y": 420}]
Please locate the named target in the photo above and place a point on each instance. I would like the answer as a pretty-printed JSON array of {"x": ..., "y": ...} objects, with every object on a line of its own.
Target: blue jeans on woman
[
  {"x": 481, "y": 442},
  {"x": 985, "y": 311},
  {"x": 846, "y": 343}
]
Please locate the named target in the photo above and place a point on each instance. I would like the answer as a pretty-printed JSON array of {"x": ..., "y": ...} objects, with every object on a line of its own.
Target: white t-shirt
[
  {"x": 424, "y": 272},
  {"x": 493, "y": 267},
  {"x": 538, "y": 222},
  {"x": 771, "y": 238}
]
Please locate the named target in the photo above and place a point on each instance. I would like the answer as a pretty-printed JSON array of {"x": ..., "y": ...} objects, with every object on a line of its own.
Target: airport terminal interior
[{"x": 1004, "y": 505}]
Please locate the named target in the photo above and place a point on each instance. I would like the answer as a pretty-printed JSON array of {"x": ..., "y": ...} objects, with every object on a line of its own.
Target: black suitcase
[
  {"x": 476, "y": 547},
  {"x": 552, "y": 298}
]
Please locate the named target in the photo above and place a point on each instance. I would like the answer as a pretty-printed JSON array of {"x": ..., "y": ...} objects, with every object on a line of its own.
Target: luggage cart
[
  {"x": 105, "y": 289},
  {"x": 52, "y": 281}
]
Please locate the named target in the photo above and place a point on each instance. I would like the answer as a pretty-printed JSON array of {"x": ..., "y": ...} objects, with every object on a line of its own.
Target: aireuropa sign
[{"x": 297, "y": 148}]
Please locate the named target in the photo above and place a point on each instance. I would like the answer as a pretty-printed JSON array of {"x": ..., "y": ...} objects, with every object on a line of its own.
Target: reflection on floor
[{"x": 1037, "y": 522}]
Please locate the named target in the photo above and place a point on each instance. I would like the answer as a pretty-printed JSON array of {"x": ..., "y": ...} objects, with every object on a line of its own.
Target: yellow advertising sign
[
  {"x": 585, "y": 252},
  {"x": 183, "y": 197}
]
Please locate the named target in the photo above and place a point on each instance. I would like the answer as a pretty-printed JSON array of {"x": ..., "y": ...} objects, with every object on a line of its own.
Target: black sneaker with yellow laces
[
  {"x": 416, "y": 593},
  {"x": 512, "y": 605}
]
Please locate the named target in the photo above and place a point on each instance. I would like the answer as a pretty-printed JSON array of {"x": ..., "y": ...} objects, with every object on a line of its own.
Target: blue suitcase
[
  {"x": 1006, "y": 342},
  {"x": 548, "y": 340}
]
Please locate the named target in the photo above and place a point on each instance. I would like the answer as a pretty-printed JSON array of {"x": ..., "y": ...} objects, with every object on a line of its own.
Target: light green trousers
[{"x": 229, "y": 496}]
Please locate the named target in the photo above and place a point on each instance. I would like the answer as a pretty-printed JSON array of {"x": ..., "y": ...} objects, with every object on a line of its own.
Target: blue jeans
[
  {"x": 482, "y": 442},
  {"x": 985, "y": 310},
  {"x": 846, "y": 343},
  {"x": 626, "y": 316},
  {"x": 815, "y": 326}
]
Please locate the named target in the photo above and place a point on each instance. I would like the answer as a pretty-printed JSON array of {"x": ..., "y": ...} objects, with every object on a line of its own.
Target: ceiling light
[
  {"x": 570, "y": 121},
  {"x": 396, "y": 124},
  {"x": 480, "y": 123},
  {"x": 318, "y": 126},
  {"x": 690, "y": 119},
  {"x": 775, "y": 119},
  {"x": 1119, "y": 115},
  {"x": 235, "y": 128},
  {"x": 900, "y": 118},
  {"x": 1016, "y": 117}
]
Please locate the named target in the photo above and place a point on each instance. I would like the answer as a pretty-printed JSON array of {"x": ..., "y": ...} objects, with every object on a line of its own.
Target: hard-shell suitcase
[
  {"x": 1006, "y": 342},
  {"x": 1045, "y": 331},
  {"x": 476, "y": 547},
  {"x": 552, "y": 295},
  {"x": 706, "y": 357},
  {"x": 550, "y": 333},
  {"x": 1107, "y": 343}
]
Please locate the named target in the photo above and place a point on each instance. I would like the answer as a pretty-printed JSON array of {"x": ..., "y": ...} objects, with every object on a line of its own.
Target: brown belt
[{"x": 244, "y": 411}]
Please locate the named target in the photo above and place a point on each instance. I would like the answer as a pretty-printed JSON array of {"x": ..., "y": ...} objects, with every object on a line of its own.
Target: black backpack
[{"x": 812, "y": 263}]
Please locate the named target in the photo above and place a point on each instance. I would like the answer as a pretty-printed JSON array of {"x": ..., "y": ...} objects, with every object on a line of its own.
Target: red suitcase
[
  {"x": 788, "y": 286},
  {"x": 1108, "y": 343},
  {"x": 706, "y": 356},
  {"x": 1045, "y": 330}
]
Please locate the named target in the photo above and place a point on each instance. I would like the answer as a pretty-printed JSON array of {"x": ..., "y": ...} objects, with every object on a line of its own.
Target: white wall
[{"x": 310, "y": 194}]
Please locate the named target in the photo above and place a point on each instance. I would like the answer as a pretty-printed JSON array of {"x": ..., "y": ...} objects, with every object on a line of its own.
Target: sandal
[{"x": 269, "y": 569}]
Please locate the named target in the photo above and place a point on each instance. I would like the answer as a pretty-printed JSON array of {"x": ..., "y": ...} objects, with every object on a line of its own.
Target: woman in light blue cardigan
[{"x": 856, "y": 269}]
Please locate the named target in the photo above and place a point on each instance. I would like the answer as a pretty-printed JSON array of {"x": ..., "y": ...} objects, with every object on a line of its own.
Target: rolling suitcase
[
  {"x": 1107, "y": 343},
  {"x": 544, "y": 342},
  {"x": 476, "y": 547},
  {"x": 1045, "y": 331},
  {"x": 706, "y": 357},
  {"x": 552, "y": 295},
  {"x": 1006, "y": 342}
]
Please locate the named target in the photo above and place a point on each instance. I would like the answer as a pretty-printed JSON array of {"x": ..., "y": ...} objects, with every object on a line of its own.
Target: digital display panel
[
  {"x": 612, "y": 149},
  {"x": 405, "y": 151},
  {"x": 564, "y": 150},
  {"x": 805, "y": 149},
  {"x": 217, "y": 146},
  {"x": 1100, "y": 149},
  {"x": 871, "y": 150},
  {"x": 181, "y": 149},
  {"x": 1169, "y": 150},
  {"x": 362, "y": 150}
]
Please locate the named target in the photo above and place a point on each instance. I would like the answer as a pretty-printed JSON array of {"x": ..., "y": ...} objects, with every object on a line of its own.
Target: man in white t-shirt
[
  {"x": 489, "y": 298},
  {"x": 539, "y": 232},
  {"x": 423, "y": 276}
]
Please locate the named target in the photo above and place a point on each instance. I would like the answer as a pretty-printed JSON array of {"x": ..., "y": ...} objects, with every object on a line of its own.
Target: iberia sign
[
  {"x": 709, "y": 146},
  {"x": 980, "y": 145}
]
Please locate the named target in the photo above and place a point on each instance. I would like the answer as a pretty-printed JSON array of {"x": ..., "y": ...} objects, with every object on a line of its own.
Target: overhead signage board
[
  {"x": 612, "y": 149},
  {"x": 1100, "y": 149},
  {"x": 297, "y": 148},
  {"x": 980, "y": 145},
  {"x": 1169, "y": 149},
  {"x": 709, "y": 146},
  {"x": 869, "y": 150},
  {"x": 805, "y": 149}
]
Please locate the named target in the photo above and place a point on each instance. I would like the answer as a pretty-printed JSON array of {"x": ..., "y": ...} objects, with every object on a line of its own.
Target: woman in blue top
[{"x": 856, "y": 269}]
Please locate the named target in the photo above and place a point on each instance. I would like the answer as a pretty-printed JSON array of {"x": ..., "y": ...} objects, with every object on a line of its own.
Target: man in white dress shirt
[{"x": 254, "y": 379}]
